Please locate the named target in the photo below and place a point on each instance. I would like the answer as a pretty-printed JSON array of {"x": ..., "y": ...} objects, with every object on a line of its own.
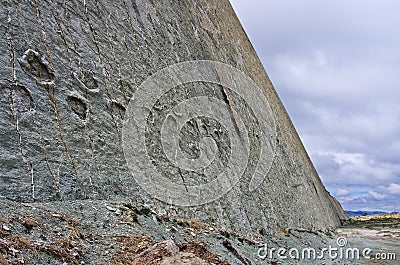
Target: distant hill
[{"x": 360, "y": 213}]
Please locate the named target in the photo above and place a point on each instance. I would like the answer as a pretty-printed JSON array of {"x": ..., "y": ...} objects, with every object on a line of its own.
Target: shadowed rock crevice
[
  {"x": 33, "y": 63},
  {"x": 78, "y": 106}
]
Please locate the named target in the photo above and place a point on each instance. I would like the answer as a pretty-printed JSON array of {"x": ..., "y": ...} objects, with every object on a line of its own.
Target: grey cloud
[
  {"x": 336, "y": 65},
  {"x": 394, "y": 188}
]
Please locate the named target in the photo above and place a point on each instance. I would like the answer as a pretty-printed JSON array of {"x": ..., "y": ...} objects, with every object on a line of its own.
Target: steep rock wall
[{"x": 68, "y": 71}]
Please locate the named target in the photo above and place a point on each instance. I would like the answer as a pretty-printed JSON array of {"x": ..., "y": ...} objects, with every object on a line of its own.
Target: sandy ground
[{"x": 380, "y": 233}]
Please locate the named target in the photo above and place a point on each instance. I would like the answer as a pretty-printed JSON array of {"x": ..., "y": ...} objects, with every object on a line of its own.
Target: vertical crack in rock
[
  {"x": 49, "y": 85},
  {"x": 21, "y": 103},
  {"x": 233, "y": 112},
  {"x": 100, "y": 57},
  {"x": 53, "y": 102},
  {"x": 10, "y": 45},
  {"x": 79, "y": 105},
  {"x": 134, "y": 32}
]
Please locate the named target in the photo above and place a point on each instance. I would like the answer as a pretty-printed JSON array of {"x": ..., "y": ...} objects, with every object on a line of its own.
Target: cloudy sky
[{"x": 336, "y": 67}]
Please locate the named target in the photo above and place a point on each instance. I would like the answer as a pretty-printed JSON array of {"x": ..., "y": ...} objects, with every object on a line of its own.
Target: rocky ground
[{"x": 104, "y": 232}]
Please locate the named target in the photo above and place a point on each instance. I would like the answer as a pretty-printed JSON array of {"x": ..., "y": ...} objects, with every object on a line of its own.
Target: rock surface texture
[
  {"x": 68, "y": 71},
  {"x": 117, "y": 233}
]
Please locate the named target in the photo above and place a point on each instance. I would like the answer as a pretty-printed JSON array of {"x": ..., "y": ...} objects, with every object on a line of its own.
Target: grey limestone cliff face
[{"x": 68, "y": 70}]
